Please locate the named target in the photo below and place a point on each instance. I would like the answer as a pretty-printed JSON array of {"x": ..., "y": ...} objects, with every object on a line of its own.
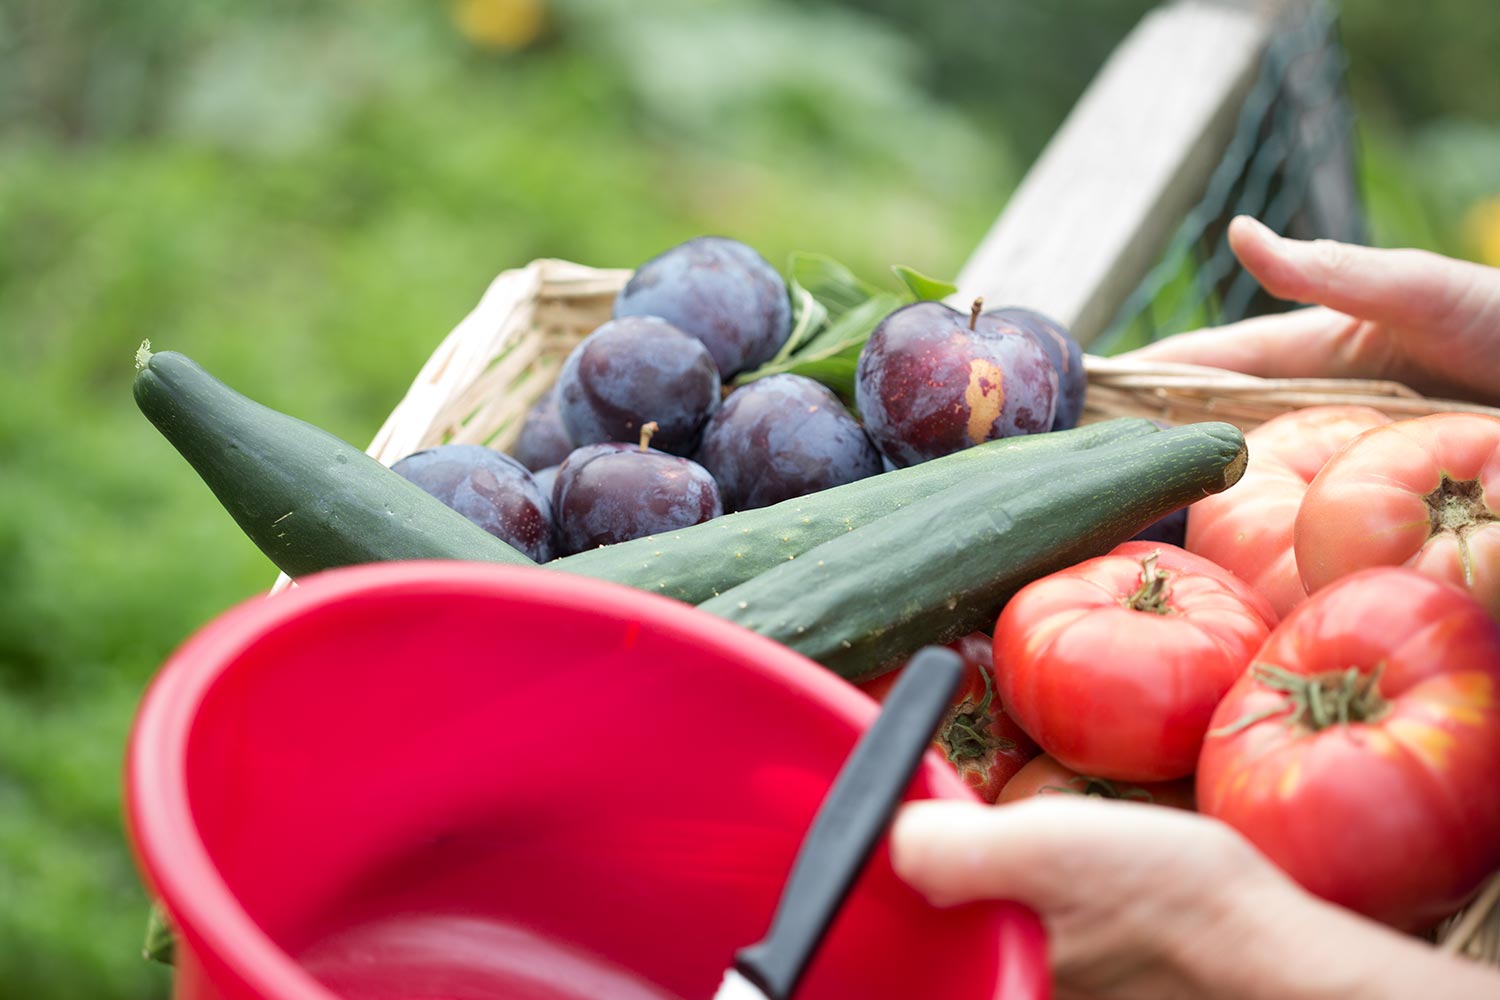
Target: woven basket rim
[{"x": 1163, "y": 380}]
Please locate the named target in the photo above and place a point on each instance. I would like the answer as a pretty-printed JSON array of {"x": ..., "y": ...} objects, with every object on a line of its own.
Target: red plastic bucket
[{"x": 451, "y": 780}]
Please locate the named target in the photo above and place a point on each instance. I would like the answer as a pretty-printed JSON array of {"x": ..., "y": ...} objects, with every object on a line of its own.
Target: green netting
[{"x": 1289, "y": 164}]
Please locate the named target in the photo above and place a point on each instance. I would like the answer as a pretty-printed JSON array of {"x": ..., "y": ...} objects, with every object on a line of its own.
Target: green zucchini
[
  {"x": 308, "y": 499},
  {"x": 697, "y": 563},
  {"x": 311, "y": 501},
  {"x": 942, "y": 567}
]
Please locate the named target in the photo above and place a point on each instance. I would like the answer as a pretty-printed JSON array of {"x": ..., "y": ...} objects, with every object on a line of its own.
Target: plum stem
[
  {"x": 648, "y": 429},
  {"x": 974, "y": 310}
]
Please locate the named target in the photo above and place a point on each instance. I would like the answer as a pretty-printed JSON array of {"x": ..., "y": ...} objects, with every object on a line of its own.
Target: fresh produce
[
  {"x": 697, "y": 563},
  {"x": 1043, "y": 775},
  {"x": 546, "y": 479},
  {"x": 262, "y": 464},
  {"x": 1063, "y": 351},
  {"x": 543, "y": 440},
  {"x": 1190, "y": 562},
  {"x": 1423, "y": 493},
  {"x": 1116, "y": 673},
  {"x": 493, "y": 490},
  {"x": 1172, "y": 528},
  {"x": 613, "y": 492},
  {"x": 1359, "y": 753},
  {"x": 1115, "y": 664},
  {"x": 309, "y": 500},
  {"x": 1375, "y": 708},
  {"x": 718, "y": 290},
  {"x": 943, "y": 566},
  {"x": 833, "y": 313},
  {"x": 932, "y": 381},
  {"x": 982, "y": 743},
  {"x": 782, "y": 437},
  {"x": 1248, "y": 529},
  {"x": 632, "y": 371}
]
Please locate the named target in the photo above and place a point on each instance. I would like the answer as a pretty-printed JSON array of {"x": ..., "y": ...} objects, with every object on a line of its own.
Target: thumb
[
  {"x": 1400, "y": 287},
  {"x": 955, "y": 852},
  {"x": 1047, "y": 852},
  {"x": 1303, "y": 343}
]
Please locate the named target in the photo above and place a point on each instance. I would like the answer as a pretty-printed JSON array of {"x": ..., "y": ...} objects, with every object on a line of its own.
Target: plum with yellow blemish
[{"x": 932, "y": 381}]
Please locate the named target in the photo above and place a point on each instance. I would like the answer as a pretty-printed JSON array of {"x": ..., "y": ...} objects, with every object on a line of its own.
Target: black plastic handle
[{"x": 851, "y": 821}]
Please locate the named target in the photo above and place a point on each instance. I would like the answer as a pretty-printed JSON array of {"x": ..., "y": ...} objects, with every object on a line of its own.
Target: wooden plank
[{"x": 1100, "y": 203}]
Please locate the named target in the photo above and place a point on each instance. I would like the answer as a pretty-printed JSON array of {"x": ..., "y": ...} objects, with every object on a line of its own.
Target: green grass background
[{"x": 306, "y": 197}]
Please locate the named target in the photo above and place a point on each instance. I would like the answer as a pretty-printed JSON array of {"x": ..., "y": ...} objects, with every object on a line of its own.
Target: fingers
[
  {"x": 1044, "y": 852},
  {"x": 1426, "y": 321},
  {"x": 953, "y": 852},
  {"x": 1304, "y": 343},
  {"x": 1402, "y": 287}
]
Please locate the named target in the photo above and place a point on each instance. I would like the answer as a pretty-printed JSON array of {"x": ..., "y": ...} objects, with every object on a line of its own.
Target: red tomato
[
  {"x": 1359, "y": 753},
  {"x": 978, "y": 738},
  {"x": 1115, "y": 665},
  {"x": 1247, "y": 528},
  {"x": 1423, "y": 493},
  {"x": 1045, "y": 776}
]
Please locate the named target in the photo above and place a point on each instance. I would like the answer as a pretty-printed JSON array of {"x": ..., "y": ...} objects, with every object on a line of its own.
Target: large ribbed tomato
[
  {"x": 1114, "y": 665},
  {"x": 1248, "y": 528},
  {"x": 1359, "y": 752},
  {"x": 1423, "y": 493}
]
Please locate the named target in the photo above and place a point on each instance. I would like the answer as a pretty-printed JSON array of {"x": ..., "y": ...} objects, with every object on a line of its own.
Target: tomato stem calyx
[
  {"x": 964, "y": 736},
  {"x": 1457, "y": 505},
  {"x": 1152, "y": 594},
  {"x": 1316, "y": 701},
  {"x": 1101, "y": 788}
]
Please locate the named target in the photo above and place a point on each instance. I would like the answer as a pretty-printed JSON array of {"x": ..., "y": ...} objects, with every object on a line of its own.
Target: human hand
[
  {"x": 1141, "y": 901},
  {"x": 1430, "y": 322}
]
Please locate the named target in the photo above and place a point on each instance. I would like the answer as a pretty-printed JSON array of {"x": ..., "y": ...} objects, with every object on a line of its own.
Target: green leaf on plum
[
  {"x": 836, "y": 372},
  {"x": 854, "y": 327},
  {"x": 808, "y": 317},
  {"x": 921, "y": 286},
  {"x": 831, "y": 283},
  {"x": 833, "y": 314},
  {"x": 844, "y": 335}
]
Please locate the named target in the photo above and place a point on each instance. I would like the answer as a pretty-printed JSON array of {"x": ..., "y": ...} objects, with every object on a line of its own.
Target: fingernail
[{"x": 1254, "y": 225}]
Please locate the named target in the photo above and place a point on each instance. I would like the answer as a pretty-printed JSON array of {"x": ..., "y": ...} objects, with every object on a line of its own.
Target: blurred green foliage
[{"x": 306, "y": 197}]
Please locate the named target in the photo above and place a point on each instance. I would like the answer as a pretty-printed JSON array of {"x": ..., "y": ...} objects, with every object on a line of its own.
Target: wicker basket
[{"x": 479, "y": 383}]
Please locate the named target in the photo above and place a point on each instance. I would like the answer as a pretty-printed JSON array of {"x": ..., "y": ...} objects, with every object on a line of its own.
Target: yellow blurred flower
[
  {"x": 1482, "y": 229},
  {"x": 500, "y": 24}
]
